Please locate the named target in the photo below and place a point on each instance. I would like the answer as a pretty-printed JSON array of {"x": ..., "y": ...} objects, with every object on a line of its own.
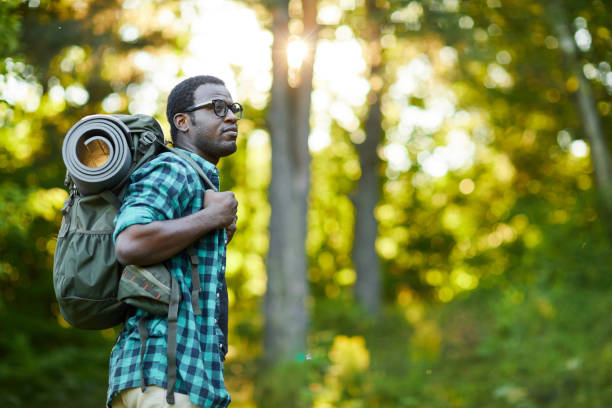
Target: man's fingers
[{"x": 230, "y": 230}]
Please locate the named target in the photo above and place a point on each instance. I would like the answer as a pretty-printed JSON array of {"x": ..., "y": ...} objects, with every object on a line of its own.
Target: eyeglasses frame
[{"x": 211, "y": 102}]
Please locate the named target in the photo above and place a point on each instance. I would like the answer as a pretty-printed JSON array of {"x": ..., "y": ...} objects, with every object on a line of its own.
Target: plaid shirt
[{"x": 168, "y": 187}]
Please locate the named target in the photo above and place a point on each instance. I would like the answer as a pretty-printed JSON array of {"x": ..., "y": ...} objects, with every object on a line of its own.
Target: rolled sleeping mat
[{"x": 97, "y": 153}]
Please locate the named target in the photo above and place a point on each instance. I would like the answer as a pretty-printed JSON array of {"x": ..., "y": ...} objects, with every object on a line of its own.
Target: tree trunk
[
  {"x": 585, "y": 102},
  {"x": 288, "y": 121},
  {"x": 365, "y": 257}
]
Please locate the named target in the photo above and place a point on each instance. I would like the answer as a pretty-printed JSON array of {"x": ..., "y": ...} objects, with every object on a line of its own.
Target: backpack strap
[
  {"x": 174, "y": 290},
  {"x": 122, "y": 185},
  {"x": 193, "y": 255},
  {"x": 195, "y": 165},
  {"x": 144, "y": 334},
  {"x": 171, "y": 341},
  {"x": 172, "y": 336},
  {"x": 195, "y": 281}
]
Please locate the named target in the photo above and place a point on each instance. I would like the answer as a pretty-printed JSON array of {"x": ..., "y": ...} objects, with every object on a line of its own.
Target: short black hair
[{"x": 181, "y": 97}]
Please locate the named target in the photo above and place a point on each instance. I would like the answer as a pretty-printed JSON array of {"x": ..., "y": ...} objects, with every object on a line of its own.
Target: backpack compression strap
[
  {"x": 195, "y": 281},
  {"x": 172, "y": 335},
  {"x": 144, "y": 334}
]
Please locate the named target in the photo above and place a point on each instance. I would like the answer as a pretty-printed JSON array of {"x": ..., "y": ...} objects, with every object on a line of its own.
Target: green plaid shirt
[{"x": 166, "y": 188}]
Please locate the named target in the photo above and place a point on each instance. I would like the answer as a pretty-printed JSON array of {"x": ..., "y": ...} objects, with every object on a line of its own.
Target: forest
[{"x": 425, "y": 192}]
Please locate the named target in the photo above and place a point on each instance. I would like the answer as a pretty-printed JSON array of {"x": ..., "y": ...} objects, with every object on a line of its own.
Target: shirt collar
[{"x": 209, "y": 169}]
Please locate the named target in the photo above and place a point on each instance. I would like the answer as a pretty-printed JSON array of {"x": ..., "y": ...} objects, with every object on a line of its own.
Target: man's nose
[{"x": 231, "y": 116}]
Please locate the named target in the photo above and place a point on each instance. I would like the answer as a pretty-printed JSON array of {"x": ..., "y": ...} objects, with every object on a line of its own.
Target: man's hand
[
  {"x": 230, "y": 230},
  {"x": 222, "y": 206},
  {"x": 146, "y": 244}
]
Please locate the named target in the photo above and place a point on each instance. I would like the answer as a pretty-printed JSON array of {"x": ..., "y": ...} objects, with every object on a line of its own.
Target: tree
[
  {"x": 368, "y": 289},
  {"x": 286, "y": 319},
  {"x": 586, "y": 104}
]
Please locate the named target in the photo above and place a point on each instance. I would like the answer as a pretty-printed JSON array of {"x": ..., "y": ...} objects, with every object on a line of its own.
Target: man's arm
[{"x": 146, "y": 244}]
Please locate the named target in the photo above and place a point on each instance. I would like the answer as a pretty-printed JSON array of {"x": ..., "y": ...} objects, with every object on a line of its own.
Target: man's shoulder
[
  {"x": 166, "y": 158},
  {"x": 166, "y": 163},
  {"x": 172, "y": 167}
]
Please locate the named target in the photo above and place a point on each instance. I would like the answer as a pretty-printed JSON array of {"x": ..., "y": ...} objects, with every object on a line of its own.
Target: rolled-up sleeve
[{"x": 157, "y": 191}]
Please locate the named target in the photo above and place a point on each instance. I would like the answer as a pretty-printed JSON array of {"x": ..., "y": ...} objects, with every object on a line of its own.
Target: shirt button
[
  {"x": 217, "y": 294},
  {"x": 215, "y": 320}
]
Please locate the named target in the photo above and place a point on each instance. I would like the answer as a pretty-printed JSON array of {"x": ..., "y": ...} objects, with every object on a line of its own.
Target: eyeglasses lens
[
  {"x": 220, "y": 107},
  {"x": 237, "y": 109}
]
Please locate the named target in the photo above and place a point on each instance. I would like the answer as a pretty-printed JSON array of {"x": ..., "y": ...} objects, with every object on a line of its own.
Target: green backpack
[{"x": 93, "y": 290}]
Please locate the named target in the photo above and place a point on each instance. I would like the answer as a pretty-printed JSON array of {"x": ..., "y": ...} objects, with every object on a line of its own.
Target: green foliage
[
  {"x": 506, "y": 347},
  {"x": 536, "y": 342},
  {"x": 43, "y": 364},
  {"x": 9, "y": 27},
  {"x": 284, "y": 385}
]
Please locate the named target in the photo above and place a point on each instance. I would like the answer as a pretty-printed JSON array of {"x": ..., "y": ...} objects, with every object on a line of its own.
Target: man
[{"x": 166, "y": 212}]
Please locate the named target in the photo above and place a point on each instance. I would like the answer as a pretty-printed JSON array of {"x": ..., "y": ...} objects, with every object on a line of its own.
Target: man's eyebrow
[{"x": 225, "y": 98}]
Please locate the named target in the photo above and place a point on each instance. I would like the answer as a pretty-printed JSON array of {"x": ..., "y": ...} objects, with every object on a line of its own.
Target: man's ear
[{"x": 182, "y": 122}]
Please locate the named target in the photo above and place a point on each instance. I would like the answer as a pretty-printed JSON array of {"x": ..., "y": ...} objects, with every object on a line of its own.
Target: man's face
[{"x": 213, "y": 136}]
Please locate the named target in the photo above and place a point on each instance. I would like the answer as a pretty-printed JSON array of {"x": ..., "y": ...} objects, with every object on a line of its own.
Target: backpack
[{"x": 93, "y": 290}]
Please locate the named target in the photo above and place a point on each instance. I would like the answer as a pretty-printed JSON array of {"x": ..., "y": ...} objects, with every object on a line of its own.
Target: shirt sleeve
[{"x": 158, "y": 190}]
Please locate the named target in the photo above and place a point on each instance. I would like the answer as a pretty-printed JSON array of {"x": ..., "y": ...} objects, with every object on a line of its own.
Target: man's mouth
[{"x": 232, "y": 132}]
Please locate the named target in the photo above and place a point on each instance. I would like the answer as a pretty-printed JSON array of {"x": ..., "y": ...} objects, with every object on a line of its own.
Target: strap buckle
[{"x": 147, "y": 138}]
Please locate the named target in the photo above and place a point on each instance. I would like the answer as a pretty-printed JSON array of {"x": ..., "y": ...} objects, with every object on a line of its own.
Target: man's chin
[
  {"x": 219, "y": 150},
  {"x": 229, "y": 148}
]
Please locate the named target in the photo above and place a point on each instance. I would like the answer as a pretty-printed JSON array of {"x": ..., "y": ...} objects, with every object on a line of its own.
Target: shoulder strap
[
  {"x": 122, "y": 185},
  {"x": 195, "y": 165}
]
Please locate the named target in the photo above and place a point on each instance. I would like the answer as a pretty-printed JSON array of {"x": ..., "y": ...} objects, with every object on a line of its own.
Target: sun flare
[{"x": 296, "y": 52}]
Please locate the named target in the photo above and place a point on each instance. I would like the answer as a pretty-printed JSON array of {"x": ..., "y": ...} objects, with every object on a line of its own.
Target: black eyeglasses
[{"x": 220, "y": 107}]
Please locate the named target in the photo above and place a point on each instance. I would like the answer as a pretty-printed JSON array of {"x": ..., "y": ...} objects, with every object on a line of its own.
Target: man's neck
[{"x": 191, "y": 148}]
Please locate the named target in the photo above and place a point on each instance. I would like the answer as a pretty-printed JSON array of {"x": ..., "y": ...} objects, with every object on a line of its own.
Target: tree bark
[
  {"x": 365, "y": 258},
  {"x": 286, "y": 316}
]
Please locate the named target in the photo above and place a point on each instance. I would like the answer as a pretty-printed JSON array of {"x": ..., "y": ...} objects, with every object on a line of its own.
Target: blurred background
[{"x": 425, "y": 193}]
